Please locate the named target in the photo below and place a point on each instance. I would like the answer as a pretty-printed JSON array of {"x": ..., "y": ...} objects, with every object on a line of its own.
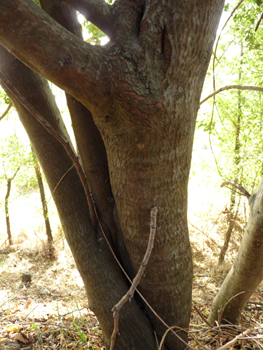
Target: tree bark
[
  {"x": 7, "y": 215},
  {"x": 247, "y": 270},
  {"x": 103, "y": 280},
  {"x": 143, "y": 91},
  {"x": 44, "y": 206},
  {"x": 90, "y": 145}
]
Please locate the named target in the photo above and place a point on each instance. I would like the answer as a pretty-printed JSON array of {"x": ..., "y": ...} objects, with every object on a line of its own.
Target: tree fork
[{"x": 103, "y": 280}]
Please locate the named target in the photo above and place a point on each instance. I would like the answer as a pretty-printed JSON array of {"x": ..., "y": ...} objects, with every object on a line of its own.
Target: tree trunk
[
  {"x": 103, "y": 280},
  {"x": 44, "y": 208},
  {"x": 247, "y": 270},
  {"x": 143, "y": 91},
  {"x": 233, "y": 213},
  {"x": 7, "y": 216}
]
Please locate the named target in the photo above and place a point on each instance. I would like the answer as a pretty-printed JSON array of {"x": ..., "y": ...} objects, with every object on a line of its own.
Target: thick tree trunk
[
  {"x": 247, "y": 270},
  {"x": 88, "y": 139},
  {"x": 143, "y": 91},
  {"x": 104, "y": 282}
]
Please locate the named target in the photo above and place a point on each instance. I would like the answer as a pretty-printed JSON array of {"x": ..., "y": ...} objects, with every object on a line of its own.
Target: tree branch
[
  {"x": 238, "y": 186},
  {"x": 229, "y": 87},
  {"x": 96, "y": 11},
  {"x": 7, "y": 110},
  {"x": 233, "y": 341},
  {"x": 49, "y": 49},
  {"x": 116, "y": 309}
]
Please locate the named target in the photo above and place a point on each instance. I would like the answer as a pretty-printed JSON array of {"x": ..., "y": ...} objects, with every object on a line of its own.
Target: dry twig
[
  {"x": 129, "y": 295},
  {"x": 233, "y": 341}
]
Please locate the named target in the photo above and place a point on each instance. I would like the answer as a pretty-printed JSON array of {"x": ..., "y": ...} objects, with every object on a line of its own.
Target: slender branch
[
  {"x": 229, "y": 87},
  {"x": 62, "y": 141},
  {"x": 96, "y": 11},
  {"x": 139, "y": 293},
  {"x": 116, "y": 309},
  {"x": 238, "y": 186},
  {"x": 260, "y": 19},
  {"x": 7, "y": 110},
  {"x": 17, "y": 170},
  {"x": 233, "y": 341},
  {"x": 219, "y": 36},
  {"x": 165, "y": 334},
  {"x": 202, "y": 316}
]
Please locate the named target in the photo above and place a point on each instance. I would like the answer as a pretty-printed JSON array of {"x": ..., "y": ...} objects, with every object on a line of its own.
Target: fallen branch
[
  {"x": 129, "y": 295},
  {"x": 242, "y": 189},
  {"x": 233, "y": 341},
  {"x": 236, "y": 87}
]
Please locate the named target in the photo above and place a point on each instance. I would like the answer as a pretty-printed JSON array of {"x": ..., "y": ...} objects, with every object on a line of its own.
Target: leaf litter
[{"x": 52, "y": 311}]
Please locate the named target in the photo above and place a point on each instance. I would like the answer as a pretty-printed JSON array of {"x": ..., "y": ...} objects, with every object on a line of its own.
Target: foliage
[
  {"x": 235, "y": 124},
  {"x": 96, "y": 35},
  {"x": 15, "y": 154},
  {"x": 4, "y": 98}
]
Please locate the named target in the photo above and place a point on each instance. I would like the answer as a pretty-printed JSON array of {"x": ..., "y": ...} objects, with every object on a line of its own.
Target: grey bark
[{"x": 247, "y": 270}]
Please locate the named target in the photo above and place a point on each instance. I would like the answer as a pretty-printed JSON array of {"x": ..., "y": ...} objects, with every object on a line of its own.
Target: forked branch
[
  {"x": 116, "y": 309},
  {"x": 96, "y": 11}
]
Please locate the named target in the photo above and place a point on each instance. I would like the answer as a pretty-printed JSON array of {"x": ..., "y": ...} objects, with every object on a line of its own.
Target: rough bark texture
[
  {"x": 103, "y": 280},
  {"x": 247, "y": 270},
  {"x": 142, "y": 90},
  {"x": 89, "y": 142}
]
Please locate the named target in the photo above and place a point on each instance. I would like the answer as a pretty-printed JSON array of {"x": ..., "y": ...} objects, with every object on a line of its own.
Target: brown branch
[
  {"x": 171, "y": 329},
  {"x": 260, "y": 19},
  {"x": 229, "y": 87},
  {"x": 202, "y": 316},
  {"x": 238, "y": 186},
  {"x": 52, "y": 51},
  {"x": 96, "y": 11},
  {"x": 7, "y": 110},
  {"x": 116, "y": 308},
  {"x": 62, "y": 141}
]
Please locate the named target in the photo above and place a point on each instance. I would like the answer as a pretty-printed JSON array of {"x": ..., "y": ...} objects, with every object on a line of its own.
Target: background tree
[
  {"x": 235, "y": 124},
  {"x": 44, "y": 204},
  {"x": 246, "y": 272},
  {"x": 133, "y": 105},
  {"x": 14, "y": 158}
]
